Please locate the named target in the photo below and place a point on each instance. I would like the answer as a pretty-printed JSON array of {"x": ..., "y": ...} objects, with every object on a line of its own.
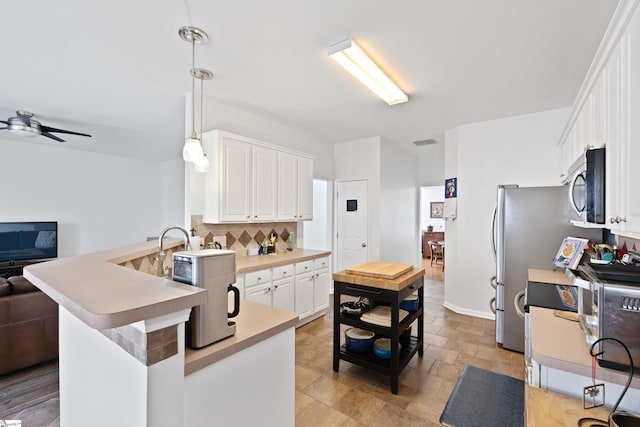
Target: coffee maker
[{"x": 215, "y": 271}]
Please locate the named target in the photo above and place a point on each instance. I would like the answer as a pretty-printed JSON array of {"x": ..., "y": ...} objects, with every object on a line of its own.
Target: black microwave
[{"x": 587, "y": 187}]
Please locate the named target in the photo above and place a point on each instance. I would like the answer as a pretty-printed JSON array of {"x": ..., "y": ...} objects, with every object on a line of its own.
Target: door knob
[{"x": 364, "y": 245}]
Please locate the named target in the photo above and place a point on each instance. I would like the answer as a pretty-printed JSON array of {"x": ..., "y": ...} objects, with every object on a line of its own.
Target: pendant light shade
[{"x": 192, "y": 150}]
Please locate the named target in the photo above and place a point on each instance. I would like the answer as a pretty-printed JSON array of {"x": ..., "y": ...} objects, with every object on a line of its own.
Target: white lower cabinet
[
  {"x": 322, "y": 282},
  {"x": 302, "y": 287},
  {"x": 272, "y": 287}
]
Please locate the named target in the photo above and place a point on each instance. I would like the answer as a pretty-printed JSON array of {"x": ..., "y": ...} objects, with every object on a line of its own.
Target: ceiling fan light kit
[
  {"x": 24, "y": 125},
  {"x": 353, "y": 59},
  {"x": 193, "y": 151}
]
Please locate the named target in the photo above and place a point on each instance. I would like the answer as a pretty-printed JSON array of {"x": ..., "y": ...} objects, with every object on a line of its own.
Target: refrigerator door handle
[
  {"x": 493, "y": 232},
  {"x": 492, "y": 305},
  {"x": 516, "y": 302}
]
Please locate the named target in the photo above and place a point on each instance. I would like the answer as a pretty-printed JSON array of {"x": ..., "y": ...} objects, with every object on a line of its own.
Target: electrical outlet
[{"x": 221, "y": 239}]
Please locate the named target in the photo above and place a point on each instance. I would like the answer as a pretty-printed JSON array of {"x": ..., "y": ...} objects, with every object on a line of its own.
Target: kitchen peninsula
[{"x": 122, "y": 354}]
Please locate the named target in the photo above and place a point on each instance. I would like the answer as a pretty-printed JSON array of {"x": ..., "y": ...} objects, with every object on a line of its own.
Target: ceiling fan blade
[
  {"x": 48, "y": 129},
  {"x": 48, "y": 135}
]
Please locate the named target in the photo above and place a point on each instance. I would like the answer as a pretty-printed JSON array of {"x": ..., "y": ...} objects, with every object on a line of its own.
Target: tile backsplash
[
  {"x": 628, "y": 243},
  {"x": 241, "y": 237}
]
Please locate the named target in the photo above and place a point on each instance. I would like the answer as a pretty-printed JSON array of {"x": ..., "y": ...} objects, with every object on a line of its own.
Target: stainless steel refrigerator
[{"x": 529, "y": 224}]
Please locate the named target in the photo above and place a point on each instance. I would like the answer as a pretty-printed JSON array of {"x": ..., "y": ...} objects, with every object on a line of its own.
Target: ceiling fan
[{"x": 24, "y": 125}]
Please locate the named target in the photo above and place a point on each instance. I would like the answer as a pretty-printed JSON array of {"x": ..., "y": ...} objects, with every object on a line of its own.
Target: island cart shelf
[{"x": 383, "y": 292}]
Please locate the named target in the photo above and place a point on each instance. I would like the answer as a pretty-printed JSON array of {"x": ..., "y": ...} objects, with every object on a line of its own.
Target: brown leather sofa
[{"x": 28, "y": 325}]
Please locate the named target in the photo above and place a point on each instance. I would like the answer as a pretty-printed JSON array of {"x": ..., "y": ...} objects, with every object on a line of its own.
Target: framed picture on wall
[{"x": 437, "y": 209}]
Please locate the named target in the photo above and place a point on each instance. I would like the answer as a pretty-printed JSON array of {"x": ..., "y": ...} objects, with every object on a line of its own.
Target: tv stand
[{"x": 14, "y": 268}]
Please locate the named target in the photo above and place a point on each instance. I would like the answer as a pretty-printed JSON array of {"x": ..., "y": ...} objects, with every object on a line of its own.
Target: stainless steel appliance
[
  {"x": 615, "y": 314},
  {"x": 215, "y": 271},
  {"x": 587, "y": 187},
  {"x": 529, "y": 224}
]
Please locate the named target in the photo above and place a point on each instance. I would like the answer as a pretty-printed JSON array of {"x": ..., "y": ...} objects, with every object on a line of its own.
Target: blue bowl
[
  {"x": 359, "y": 340},
  {"x": 382, "y": 348},
  {"x": 410, "y": 303}
]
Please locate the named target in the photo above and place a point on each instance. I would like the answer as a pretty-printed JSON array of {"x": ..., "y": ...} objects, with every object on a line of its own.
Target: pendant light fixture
[{"x": 192, "y": 150}]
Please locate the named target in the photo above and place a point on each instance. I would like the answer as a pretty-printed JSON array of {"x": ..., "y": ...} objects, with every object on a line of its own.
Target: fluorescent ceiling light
[{"x": 354, "y": 60}]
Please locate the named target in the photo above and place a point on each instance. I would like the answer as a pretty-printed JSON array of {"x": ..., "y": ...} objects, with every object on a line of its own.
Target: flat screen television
[{"x": 28, "y": 241}]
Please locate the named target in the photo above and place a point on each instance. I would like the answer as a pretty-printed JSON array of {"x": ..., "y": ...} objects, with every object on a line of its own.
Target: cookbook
[{"x": 570, "y": 252}]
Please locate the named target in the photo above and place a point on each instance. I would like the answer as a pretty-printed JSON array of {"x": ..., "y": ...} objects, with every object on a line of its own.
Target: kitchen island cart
[{"x": 384, "y": 290}]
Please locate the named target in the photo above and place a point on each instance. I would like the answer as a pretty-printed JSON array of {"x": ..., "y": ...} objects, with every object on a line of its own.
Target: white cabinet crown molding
[
  {"x": 621, "y": 17},
  {"x": 224, "y": 134}
]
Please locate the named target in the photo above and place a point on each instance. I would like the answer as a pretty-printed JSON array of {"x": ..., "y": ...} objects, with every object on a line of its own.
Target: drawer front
[
  {"x": 319, "y": 263},
  {"x": 257, "y": 278},
  {"x": 283, "y": 271},
  {"x": 304, "y": 267}
]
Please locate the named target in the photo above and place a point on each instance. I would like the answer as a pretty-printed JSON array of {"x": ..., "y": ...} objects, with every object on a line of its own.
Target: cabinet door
[
  {"x": 265, "y": 176},
  {"x": 613, "y": 134},
  {"x": 305, "y": 188},
  {"x": 629, "y": 155},
  {"x": 284, "y": 295},
  {"x": 322, "y": 283},
  {"x": 598, "y": 106},
  {"x": 287, "y": 186},
  {"x": 304, "y": 291},
  {"x": 260, "y": 294},
  {"x": 236, "y": 181}
]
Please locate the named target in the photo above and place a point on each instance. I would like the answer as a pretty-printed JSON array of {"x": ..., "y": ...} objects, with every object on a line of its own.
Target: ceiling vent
[{"x": 425, "y": 142}]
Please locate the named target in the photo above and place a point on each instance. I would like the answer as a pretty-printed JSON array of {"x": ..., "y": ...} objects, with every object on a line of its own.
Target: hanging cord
[
  {"x": 193, "y": 88},
  {"x": 583, "y": 421},
  {"x": 201, "y": 108}
]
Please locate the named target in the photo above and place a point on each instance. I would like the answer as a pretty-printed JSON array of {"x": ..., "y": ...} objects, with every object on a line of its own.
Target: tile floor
[{"x": 357, "y": 397}]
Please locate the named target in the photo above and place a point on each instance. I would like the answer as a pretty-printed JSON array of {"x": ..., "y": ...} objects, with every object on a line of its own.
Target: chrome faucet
[{"x": 162, "y": 269}]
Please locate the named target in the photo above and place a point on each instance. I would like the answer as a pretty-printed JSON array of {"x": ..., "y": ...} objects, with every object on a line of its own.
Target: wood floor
[{"x": 351, "y": 397}]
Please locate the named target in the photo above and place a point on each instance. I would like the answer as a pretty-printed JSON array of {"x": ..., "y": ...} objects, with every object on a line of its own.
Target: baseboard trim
[{"x": 474, "y": 313}]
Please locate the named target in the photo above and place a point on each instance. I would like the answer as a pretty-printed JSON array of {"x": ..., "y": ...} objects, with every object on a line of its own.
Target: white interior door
[{"x": 351, "y": 218}]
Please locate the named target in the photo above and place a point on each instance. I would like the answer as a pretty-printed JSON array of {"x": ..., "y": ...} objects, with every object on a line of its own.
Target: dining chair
[{"x": 437, "y": 253}]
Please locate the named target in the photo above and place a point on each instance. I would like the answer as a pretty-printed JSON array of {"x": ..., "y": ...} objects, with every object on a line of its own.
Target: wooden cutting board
[{"x": 381, "y": 269}]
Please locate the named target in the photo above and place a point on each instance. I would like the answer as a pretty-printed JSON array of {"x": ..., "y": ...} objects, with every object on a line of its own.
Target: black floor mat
[{"x": 484, "y": 398}]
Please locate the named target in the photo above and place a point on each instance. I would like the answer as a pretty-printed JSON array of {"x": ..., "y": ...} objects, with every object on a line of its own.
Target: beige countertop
[
  {"x": 105, "y": 295},
  {"x": 254, "y": 323},
  {"x": 556, "y": 277},
  {"x": 245, "y": 264},
  {"x": 546, "y": 408},
  {"x": 396, "y": 284},
  {"x": 560, "y": 344}
]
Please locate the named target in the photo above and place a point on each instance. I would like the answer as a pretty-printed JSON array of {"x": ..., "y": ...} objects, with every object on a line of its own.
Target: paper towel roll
[{"x": 196, "y": 242}]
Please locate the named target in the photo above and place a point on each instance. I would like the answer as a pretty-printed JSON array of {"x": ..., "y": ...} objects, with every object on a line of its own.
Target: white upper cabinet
[
  {"x": 605, "y": 114},
  {"x": 228, "y": 184},
  {"x": 295, "y": 187},
  {"x": 305, "y": 188},
  {"x": 623, "y": 209},
  {"x": 250, "y": 180},
  {"x": 265, "y": 184}
]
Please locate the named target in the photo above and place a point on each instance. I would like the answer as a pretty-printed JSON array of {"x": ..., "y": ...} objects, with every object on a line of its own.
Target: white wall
[
  {"x": 431, "y": 163},
  {"x": 428, "y": 195},
  {"x": 360, "y": 160},
  {"x": 100, "y": 201},
  {"x": 399, "y": 206},
  {"x": 317, "y": 233},
  {"x": 516, "y": 150},
  {"x": 276, "y": 131}
]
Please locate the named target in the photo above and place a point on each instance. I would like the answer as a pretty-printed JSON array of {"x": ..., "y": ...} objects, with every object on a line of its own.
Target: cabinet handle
[
  {"x": 275, "y": 287},
  {"x": 613, "y": 220},
  {"x": 248, "y": 216},
  {"x": 255, "y": 216}
]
